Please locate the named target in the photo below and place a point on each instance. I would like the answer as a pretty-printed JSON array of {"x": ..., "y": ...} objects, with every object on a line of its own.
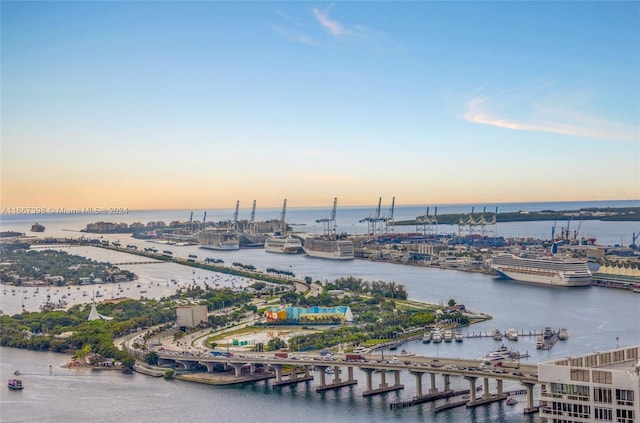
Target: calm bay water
[
  {"x": 597, "y": 319},
  {"x": 348, "y": 219}
]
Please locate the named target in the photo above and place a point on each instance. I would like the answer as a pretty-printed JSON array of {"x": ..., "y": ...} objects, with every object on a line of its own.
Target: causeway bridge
[{"x": 336, "y": 372}]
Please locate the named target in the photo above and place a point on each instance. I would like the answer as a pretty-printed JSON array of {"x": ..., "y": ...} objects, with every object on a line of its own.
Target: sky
[{"x": 181, "y": 105}]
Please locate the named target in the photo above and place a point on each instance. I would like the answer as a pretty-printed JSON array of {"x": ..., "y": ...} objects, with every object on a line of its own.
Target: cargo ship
[
  {"x": 335, "y": 249},
  {"x": 542, "y": 270}
]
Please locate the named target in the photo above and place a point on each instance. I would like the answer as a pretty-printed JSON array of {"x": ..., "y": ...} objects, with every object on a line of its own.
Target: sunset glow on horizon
[{"x": 197, "y": 105}]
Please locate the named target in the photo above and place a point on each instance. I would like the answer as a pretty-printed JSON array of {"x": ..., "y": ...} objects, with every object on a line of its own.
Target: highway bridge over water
[{"x": 336, "y": 372}]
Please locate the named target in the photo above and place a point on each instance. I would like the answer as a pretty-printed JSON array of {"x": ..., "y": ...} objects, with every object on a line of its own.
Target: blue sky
[{"x": 199, "y": 104}]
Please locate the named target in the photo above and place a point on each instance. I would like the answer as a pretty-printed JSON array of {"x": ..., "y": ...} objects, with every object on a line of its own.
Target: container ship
[
  {"x": 543, "y": 270},
  {"x": 335, "y": 249}
]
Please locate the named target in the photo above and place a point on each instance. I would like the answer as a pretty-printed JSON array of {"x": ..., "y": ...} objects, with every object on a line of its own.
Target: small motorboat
[{"x": 15, "y": 384}]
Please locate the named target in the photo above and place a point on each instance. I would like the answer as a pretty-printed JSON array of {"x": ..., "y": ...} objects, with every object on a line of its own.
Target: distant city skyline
[{"x": 177, "y": 105}]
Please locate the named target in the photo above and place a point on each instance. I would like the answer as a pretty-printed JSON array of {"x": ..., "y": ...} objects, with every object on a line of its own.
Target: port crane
[
  {"x": 426, "y": 224},
  {"x": 378, "y": 224},
  {"x": 468, "y": 222},
  {"x": 329, "y": 224},
  {"x": 634, "y": 237},
  {"x": 283, "y": 224},
  {"x": 374, "y": 222},
  {"x": 577, "y": 231},
  {"x": 390, "y": 217},
  {"x": 252, "y": 217},
  {"x": 234, "y": 223}
]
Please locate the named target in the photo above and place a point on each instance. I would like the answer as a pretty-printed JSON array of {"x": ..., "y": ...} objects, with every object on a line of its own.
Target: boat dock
[
  {"x": 504, "y": 335},
  {"x": 465, "y": 401}
]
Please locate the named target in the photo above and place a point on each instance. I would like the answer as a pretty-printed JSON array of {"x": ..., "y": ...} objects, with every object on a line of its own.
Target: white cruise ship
[
  {"x": 282, "y": 244},
  {"x": 544, "y": 271},
  {"x": 219, "y": 239},
  {"x": 335, "y": 249}
]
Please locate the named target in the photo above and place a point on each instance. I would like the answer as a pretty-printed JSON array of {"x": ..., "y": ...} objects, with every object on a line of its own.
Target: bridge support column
[
  {"x": 238, "y": 368},
  {"x": 418, "y": 376},
  {"x": 499, "y": 385},
  {"x": 472, "y": 388},
  {"x": 530, "y": 407},
  {"x": 383, "y": 379},
  {"x": 485, "y": 385},
  {"x": 209, "y": 365},
  {"x": 323, "y": 381},
  {"x": 278, "y": 369},
  {"x": 292, "y": 373},
  {"x": 350, "y": 374},
  {"x": 447, "y": 382},
  {"x": 396, "y": 378},
  {"x": 369, "y": 379},
  {"x": 336, "y": 375},
  {"x": 434, "y": 388},
  {"x": 306, "y": 370}
]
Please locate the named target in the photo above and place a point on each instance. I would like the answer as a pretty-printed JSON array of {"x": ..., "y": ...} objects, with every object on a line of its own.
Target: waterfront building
[
  {"x": 190, "y": 316},
  {"x": 597, "y": 387},
  {"x": 308, "y": 315},
  {"x": 618, "y": 276}
]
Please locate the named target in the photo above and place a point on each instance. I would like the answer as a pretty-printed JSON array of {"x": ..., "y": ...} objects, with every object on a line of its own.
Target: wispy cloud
[
  {"x": 293, "y": 35},
  {"x": 342, "y": 31},
  {"x": 334, "y": 27},
  {"x": 564, "y": 113}
]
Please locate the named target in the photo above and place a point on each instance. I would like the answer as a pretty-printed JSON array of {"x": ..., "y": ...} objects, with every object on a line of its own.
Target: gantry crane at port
[
  {"x": 252, "y": 219},
  {"x": 234, "y": 222},
  {"x": 470, "y": 224},
  {"x": 329, "y": 224},
  {"x": 377, "y": 224},
  {"x": 283, "y": 222},
  {"x": 389, "y": 222},
  {"x": 428, "y": 225}
]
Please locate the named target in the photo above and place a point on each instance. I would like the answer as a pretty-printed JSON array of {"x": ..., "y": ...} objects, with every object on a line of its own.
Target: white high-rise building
[
  {"x": 597, "y": 387},
  {"x": 190, "y": 316}
]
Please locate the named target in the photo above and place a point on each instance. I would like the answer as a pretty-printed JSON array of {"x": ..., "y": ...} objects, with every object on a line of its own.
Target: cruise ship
[
  {"x": 544, "y": 270},
  {"x": 282, "y": 244},
  {"x": 335, "y": 249},
  {"x": 37, "y": 228},
  {"x": 219, "y": 239}
]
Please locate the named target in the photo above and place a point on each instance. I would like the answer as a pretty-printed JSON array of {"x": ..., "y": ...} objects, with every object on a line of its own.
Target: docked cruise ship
[
  {"x": 543, "y": 270},
  {"x": 335, "y": 249},
  {"x": 282, "y": 244},
  {"x": 219, "y": 239}
]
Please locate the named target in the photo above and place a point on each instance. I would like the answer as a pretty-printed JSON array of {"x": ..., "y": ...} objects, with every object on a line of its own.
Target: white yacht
[
  {"x": 512, "y": 334},
  {"x": 437, "y": 336},
  {"x": 563, "y": 334},
  {"x": 448, "y": 335}
]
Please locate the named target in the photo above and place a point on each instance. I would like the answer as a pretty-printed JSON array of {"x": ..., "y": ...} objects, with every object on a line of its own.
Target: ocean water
[
  {"x": 597, "y": 319},
  {"x": 347, "y": 219}
]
